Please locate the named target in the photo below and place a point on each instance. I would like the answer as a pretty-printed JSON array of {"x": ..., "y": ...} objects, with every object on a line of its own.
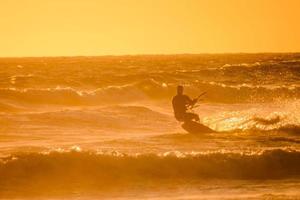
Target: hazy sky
[{"x": 101, "y": 27}]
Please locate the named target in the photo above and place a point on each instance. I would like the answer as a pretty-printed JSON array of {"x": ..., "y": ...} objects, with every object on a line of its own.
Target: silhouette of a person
[{"x": 181, "y": 103}]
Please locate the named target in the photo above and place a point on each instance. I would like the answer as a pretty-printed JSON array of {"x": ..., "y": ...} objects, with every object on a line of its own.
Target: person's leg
[
  {"x": 191, "y": 116},
  {"x": 196, "y": 117}
]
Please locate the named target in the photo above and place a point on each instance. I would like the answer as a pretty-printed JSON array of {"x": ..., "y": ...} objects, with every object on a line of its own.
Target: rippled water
[{"x": 103, "y": 127}]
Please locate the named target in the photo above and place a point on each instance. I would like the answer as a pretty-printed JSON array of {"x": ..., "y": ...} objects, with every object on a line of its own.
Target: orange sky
[{"x": 101, "y": 27}]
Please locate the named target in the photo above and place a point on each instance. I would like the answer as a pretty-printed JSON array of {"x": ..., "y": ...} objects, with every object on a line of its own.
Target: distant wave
[
  {"x": 104, "y": 169},
  {"x": 70, "y": 96},
  {"x": 123, "y": 118},
  {"x": 5, "y": 107},
  {"x": 147, "y": 118},
  {"x": 148, "y": 89}
]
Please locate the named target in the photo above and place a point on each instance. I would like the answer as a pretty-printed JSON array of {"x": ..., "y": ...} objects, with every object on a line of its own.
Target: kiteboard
[{"x": 195, "y": 128}]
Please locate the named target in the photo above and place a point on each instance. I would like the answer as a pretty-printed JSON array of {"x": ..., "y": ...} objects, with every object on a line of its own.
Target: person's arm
[{"x": 190, "y": 102}]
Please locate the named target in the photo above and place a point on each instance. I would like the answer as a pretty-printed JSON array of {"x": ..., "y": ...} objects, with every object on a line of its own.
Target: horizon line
[{"x": 147, "y": 54}]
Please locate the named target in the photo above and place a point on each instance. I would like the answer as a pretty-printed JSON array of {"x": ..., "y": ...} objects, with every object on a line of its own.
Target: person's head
[{"x": 180, "y": 89}]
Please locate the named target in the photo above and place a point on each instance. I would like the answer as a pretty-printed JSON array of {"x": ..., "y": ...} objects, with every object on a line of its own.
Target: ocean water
[{"x": 103, "y": 127}]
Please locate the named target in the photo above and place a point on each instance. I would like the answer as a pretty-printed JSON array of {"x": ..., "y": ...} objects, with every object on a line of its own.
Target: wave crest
[{"x": 104, "y": 168}]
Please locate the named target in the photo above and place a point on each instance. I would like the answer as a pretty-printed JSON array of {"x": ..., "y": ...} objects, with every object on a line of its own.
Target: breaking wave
[
  {"x": 113, "y": 168},
  {"x": 289, "y": 128}
]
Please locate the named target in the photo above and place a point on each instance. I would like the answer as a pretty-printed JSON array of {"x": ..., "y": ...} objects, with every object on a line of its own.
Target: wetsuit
[{"x": 180, "y": 103}]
